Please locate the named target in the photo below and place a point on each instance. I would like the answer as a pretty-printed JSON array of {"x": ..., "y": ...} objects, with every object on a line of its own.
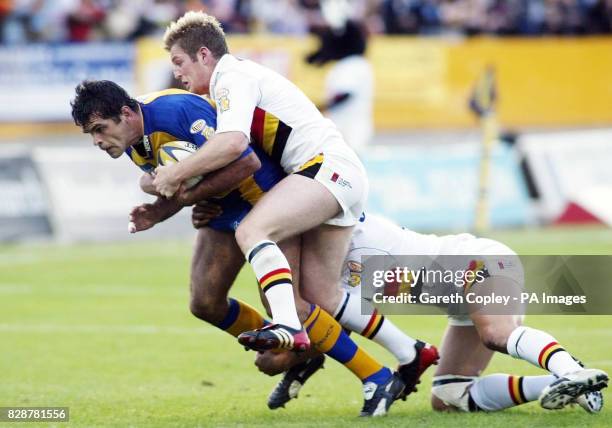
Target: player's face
[
  {"x": 194, "y": 75},
  {"x": 111, "y": 136}
]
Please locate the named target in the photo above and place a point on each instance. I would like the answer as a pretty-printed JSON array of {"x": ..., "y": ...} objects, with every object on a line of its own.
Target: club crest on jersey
[
  {"x": 355, "y": 269},
  {"x": 197, "y": 126},
  {"x": 208, "y": 132},
  {"x": 223, "y": 101}
]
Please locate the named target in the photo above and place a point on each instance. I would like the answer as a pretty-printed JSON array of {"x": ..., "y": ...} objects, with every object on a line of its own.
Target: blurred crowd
[{"x": 23, "y": 21}]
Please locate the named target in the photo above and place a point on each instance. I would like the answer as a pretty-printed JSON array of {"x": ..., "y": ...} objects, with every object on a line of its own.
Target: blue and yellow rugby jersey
[{"x": 174, "y": 114}]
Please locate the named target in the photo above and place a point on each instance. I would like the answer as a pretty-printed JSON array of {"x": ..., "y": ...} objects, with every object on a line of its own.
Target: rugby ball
[{"x": 176, "y": 151}]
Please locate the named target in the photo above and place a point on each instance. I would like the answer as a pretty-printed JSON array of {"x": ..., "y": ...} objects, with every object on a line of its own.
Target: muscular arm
[
  {"x": 145, "y": 216},
  {"x": 220, "y": 181},
  {"x": 218, "y": 152}
]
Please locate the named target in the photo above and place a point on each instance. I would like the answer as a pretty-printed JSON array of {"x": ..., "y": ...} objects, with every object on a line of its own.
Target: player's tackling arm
[
  {"x": 221, "y": 181},
  {"x": 218, "y": 152},
  {"x": 146, "y": 216}
]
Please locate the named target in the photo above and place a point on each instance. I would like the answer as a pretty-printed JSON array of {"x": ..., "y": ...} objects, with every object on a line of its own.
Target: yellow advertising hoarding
[{"x": 425, "y": 82}]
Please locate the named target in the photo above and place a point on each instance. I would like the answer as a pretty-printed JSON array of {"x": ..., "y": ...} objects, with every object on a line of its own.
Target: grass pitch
[{"x": 106, "y": 331}]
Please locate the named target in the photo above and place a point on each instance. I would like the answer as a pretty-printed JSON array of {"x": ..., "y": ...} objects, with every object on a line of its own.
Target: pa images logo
[{"x": 223, "y": 102}]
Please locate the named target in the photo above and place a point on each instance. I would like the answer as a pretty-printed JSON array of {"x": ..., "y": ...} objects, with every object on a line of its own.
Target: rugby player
[
  {"x": 321, "y": 198},
  {"x": 119, "y": 124},
  {"x": 471, "y": 337}
]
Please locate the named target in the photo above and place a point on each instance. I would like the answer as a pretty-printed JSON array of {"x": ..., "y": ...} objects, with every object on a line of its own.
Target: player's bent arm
[
  {"x": 218, "y": 152},
  {"x": 146, "y": 184}
]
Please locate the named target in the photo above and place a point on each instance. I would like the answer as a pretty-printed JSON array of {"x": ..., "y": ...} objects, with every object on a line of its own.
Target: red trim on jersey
[{"x": 257, "y": 127}]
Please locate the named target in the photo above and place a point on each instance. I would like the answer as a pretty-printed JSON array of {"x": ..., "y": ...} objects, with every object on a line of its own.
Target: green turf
[{"x": 106, "y": 331}]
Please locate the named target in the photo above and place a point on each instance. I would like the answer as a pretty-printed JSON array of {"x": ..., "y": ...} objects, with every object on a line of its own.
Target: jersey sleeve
[
  {"x": 198, "y": 120},
  {"x": 236, "y": 96}
]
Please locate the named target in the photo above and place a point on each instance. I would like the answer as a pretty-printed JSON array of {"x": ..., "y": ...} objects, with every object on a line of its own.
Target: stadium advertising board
[
  {"x": 37, "y": 81},
  {"x": 434, "y": 187},
  {"x": 571, "y": 168},
  {"x": 24, "y": 209},
  {"x": 95, "y": 207},
  {"x": 541, "y": 82}
]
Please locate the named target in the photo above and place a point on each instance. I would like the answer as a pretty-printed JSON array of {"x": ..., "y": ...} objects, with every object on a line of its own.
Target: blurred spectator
[
  {"x": 280, "y": 16},
  {"x": 23, "y": 21},
  {"x": 349, "y": 83},
  {"x": 84, "y": 19}
]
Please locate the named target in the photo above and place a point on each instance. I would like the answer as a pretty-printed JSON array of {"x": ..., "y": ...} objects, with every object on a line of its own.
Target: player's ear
[
  {"x": 205, "y": 54},
  {"x": 127, "y": 112}
]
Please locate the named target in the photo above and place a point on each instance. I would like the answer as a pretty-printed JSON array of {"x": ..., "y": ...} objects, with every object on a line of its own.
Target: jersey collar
[{"x": 226, "y": 58}]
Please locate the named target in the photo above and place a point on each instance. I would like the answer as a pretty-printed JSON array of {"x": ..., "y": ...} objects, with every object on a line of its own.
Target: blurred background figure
[{"x": 349, "y": 83}]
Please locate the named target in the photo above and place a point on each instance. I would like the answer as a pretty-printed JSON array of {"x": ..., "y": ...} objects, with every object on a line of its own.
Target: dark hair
[{"x": 101, "y": 98}]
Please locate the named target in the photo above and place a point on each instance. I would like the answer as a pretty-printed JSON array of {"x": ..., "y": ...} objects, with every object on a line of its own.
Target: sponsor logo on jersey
[
  {"x": 147, "y": 146},
  {"x": 223, "y": 102},
  {"x": 197, "y": 126}
]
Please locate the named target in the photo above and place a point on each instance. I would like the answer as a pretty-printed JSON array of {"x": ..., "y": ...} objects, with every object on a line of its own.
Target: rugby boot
[
  {"x": 378, "y": 398},
  {"x": 568, "y": 388},
  {"x": 293, "y": 380},
  {"x": 275, "y": 336},
  {"x": 426, "y": 355}
]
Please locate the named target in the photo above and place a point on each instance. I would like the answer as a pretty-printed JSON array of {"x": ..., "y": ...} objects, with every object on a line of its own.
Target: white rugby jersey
[
  {"x": 246, "y": 92},
  {"x": 379, "y": 236}
]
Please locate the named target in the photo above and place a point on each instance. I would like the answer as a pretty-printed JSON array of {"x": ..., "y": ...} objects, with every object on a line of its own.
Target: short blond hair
[{"x": 194, "y": 30}]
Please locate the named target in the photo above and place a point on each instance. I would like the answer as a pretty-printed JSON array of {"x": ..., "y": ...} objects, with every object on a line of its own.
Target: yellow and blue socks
[
  {"x": 327, "y": 336},
  {"x": 274, "y": 277},
  {"x": 241, "y": 317},
  {"x": 542, "y": 350}
]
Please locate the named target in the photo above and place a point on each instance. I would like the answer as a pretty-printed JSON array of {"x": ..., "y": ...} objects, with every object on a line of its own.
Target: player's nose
[{"x": 97, "y": 141}]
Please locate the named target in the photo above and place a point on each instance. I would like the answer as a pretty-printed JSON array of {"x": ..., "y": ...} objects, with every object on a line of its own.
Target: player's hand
[
  {"x": 272, "y": 363},
  {"x": 165, "y": 181},
  {"x": 144, "y": 217},
  {"x": 203, "y": 212}
]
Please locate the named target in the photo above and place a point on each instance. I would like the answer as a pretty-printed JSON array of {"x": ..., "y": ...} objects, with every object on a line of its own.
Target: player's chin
[{"x": 114, "y": 153}]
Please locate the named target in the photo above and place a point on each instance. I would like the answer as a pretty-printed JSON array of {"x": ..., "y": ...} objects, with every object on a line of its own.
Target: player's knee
[
  {"x": 438, "y": 405},
  {"x": 248, "y": 234},
  {"x": 492, "y": 338}
]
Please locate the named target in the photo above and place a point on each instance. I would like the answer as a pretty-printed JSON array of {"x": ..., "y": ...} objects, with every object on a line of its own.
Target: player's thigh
[
  {"x": 215, "y": 264},
  {"x": 294, "y": 205},
  {"x": 323, "y": 251},
  {"x": 462, "y": 353}
]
